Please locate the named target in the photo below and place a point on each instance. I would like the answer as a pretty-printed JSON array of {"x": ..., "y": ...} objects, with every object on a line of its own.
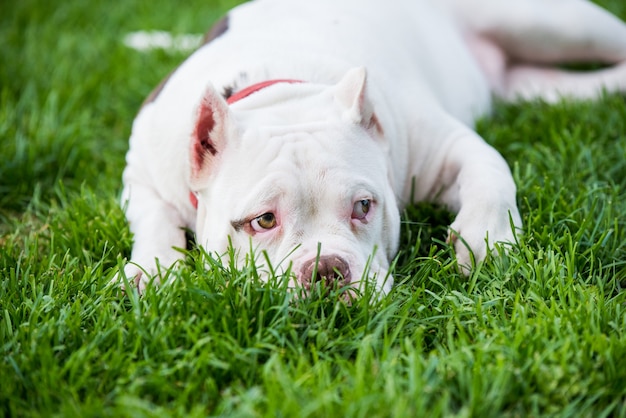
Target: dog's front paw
[
  {"x": 135, "y": 276},
  {"x": 474, "y": 233}
]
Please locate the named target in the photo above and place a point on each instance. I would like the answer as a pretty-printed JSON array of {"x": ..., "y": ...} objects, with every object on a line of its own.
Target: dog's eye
[
  {"x": 264, "y": 222},
  {"x": 361, "y": 209}
]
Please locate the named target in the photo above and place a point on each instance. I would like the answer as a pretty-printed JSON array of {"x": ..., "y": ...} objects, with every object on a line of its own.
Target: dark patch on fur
[
  {"x": 157, "y": 90},
  {"x": 228, "y": 91},
  {"x": 232, "y": 88},
  {"x": 217, "y": 30}
]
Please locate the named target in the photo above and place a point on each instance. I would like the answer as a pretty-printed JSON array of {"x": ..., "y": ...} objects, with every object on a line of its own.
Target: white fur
[{"x": 385, "y": 113}]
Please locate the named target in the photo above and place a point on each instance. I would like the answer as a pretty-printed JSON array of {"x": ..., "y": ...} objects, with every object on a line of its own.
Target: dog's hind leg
[
  {"x": 528, "y": 82},
  {"x": 546, "y": 31},
  {"x": 530, "y": 37}
]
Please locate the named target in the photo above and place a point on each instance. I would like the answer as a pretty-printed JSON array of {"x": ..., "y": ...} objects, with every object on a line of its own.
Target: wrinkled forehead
[
  {"x": 310, "y": 161},
  {"x": 315, "y": 149},
  {"x": 287, "y": 110}
]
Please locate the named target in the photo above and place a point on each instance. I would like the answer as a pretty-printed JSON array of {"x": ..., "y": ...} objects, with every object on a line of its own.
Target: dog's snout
[{"x": 333, "y": 270}]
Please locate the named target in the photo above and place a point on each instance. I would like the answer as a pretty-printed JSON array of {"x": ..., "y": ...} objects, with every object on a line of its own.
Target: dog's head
[{"x": 299, "y": 173}]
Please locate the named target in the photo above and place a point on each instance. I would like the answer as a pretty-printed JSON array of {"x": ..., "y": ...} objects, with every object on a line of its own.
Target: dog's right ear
[
  {"x": 351, "y": 93},
  {"x": 209, "y": 135}
]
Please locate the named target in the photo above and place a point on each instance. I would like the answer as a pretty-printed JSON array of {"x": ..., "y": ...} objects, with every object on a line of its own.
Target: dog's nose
[{"x": 333, "y": 270}]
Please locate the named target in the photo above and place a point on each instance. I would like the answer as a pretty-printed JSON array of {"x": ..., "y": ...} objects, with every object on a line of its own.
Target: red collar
[{"x": 242, "y": 94}]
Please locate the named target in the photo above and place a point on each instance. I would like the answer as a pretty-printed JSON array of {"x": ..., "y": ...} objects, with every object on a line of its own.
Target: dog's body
[{"x": 363, "y": 105}]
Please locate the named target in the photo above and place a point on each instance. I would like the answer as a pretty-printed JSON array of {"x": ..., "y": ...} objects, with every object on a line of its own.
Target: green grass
[{"x": 538, "y": 332}]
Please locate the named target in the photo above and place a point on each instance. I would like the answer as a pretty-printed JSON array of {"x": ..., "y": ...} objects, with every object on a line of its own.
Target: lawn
[{"x": 540, "y": 331}]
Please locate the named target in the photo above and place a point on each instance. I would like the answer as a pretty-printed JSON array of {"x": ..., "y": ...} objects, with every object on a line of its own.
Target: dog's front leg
[
  {"x": 473, "y": 180},
  {"x": 157, "y": 227}
]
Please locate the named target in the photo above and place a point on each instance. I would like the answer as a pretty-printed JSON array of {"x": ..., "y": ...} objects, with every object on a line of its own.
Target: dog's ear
[
  {"x": 351, "y": 94},
  {"x": 211, "y": 129}
]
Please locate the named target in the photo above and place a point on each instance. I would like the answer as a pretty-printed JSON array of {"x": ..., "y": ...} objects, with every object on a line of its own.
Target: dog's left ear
[
  {"x": 211, "y": 131},
  {"x": 351, "y": 94}
]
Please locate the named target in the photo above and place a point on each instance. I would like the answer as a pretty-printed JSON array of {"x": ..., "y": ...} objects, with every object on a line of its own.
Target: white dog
[{"x": 301, "y": 127}]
